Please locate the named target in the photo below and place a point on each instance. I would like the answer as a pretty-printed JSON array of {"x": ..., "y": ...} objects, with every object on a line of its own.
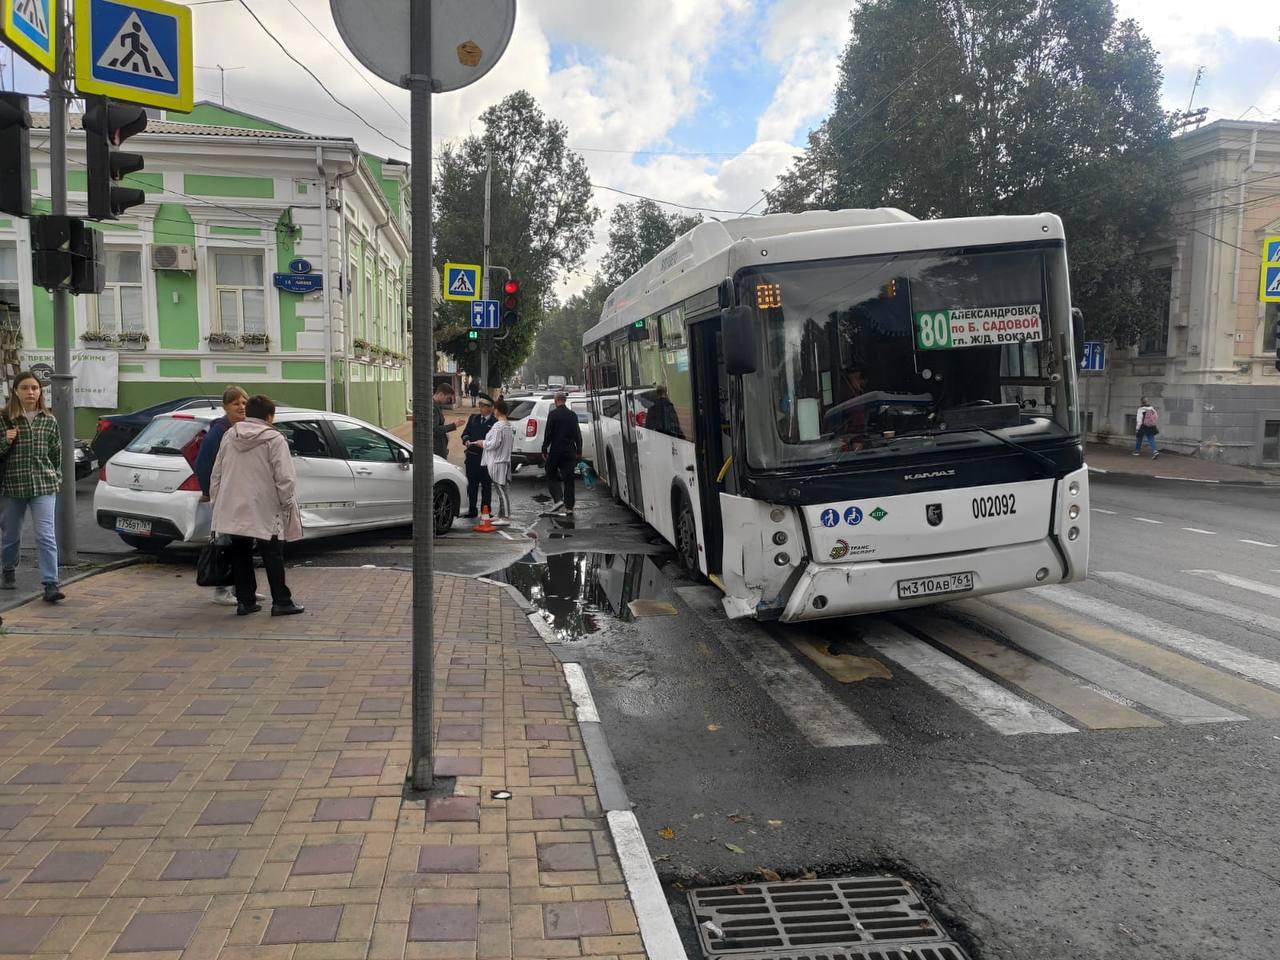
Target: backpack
[{"x": 1150, "y": 418}]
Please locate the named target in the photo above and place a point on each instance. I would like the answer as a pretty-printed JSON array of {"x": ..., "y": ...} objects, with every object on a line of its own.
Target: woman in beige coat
[{"x": 252, "y": 489}]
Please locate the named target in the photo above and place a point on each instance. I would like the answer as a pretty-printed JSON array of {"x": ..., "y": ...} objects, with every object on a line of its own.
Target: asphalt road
[{"x": 1139, "y": 822}]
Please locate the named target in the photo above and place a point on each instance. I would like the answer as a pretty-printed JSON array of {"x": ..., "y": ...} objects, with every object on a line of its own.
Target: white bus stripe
[
  {"x": 823, "y": 720},
  {"x": 1106, "y": 672},
  {"x": 1266, "y": 589},
  {"x": 1184, "y": 641},
  {"x": 991, "y": 703},
  {"x": 1185, "y": 598}
]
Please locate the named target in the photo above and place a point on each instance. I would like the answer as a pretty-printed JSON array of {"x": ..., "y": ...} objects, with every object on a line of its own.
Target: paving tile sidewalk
[
  {"x": 213, "y": 786},
  {"x": 1172, "y": 466}
]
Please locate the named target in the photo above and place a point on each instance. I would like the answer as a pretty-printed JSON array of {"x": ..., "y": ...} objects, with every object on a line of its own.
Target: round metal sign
[{"x": 467, "y": 37}]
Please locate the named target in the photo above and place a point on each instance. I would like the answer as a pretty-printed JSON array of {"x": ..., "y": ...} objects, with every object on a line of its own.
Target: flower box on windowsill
[
  {"x": 221, "y": 343},
  {"x": 131, "y": 343},
  {"x": 256, "y": 347}
]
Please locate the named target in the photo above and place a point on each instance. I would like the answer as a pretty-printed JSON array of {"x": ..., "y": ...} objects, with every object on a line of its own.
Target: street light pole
[
  {"x": 486, "y": 335},
  {"x": 64, "y": 408},
  {"x": 424, "y": 350}
]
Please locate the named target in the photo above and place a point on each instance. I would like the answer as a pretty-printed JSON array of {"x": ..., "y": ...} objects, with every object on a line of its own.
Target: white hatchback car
[
  {"x": 528, "y": 416},
  {"x": 352, "y": 476}
]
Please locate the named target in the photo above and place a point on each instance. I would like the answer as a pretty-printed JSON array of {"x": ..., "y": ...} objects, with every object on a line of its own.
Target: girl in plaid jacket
[{"x": 30, "y": 475}]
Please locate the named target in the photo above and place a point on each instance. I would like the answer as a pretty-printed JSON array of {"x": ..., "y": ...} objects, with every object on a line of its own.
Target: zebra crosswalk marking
[
  {"x": 1135, "y": 685},
  {"x": 1061, "y": 614},
  {"x": 1188, "y": 599},
  {"x": 1266, "y": 589},
  {"x": 991, "y": 703},
  {"x": 1046, "y": 683}
]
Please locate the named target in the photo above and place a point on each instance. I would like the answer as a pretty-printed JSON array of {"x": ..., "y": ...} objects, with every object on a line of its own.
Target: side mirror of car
[{"x": 404, "y": 456}]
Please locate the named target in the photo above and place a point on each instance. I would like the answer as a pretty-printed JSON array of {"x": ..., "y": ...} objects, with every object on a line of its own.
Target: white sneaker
[{"x": 223, "y": 597}]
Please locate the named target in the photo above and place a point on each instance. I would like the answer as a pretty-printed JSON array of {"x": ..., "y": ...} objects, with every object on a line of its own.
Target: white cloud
[
  {"x": 798, "y": 36},
  {"x": 1190, "y": 32}
]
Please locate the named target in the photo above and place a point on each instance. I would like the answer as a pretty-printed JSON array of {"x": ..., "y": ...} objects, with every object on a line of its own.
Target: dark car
[{"x": 115, "y": 432}]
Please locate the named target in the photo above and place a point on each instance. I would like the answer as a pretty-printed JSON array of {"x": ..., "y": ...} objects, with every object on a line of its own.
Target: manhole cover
[{"x": 843, "y": 918}]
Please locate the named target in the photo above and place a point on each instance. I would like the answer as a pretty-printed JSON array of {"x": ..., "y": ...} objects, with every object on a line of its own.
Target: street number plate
[
  {"x": 141, "y": 528},
  {"x": 929, "y": 586}
]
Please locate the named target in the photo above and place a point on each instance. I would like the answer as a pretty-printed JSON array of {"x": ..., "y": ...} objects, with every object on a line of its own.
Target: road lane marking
[
  {"x": 1185, "y": 598},
  {"x": 991, "y": 703},
  {"x": 1145, "y": 520},
  {"x": 1134, "y": 685},
  {"x": 1266, "y": 589},
  {"x": 1259, "y": 543},
  {"x": 1207, "y": 533},
  {"x": 1043, "y": 682},
  {"x": 1222, "y": 687},
  {"x": 1110, "y": 513},
  {"x": 823, "y": 720},
  {"x": 580, "y": 691}
]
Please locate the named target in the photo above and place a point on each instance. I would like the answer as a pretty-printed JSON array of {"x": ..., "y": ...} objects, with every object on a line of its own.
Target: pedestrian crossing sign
[
  {"x": 461, "y": 281},
  {"x": 1271, "y": 250},
  {"x": 26, "y": 30},
  {"x": 138, "y": 51},
  {"x": 1270, "y": 292}
]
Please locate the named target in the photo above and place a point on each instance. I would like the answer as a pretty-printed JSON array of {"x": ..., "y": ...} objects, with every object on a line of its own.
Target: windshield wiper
[
  {"x": 163, "y": 451},
  {"x": 1027, "y": 451}
]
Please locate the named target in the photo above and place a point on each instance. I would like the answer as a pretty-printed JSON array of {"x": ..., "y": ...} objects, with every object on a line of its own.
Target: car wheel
[
  {"x": 686, "y": 536},
  {"x": 614, "y": 490},
  {"x": 444, "y": 508},
  {"x": 152, "y": 545}
]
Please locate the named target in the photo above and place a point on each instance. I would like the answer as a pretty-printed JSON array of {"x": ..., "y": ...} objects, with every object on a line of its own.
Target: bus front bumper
[{"x": 837, "y": 590}]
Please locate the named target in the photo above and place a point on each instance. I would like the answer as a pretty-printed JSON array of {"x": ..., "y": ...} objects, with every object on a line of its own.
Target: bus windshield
[{"x": 872, "y": 357}]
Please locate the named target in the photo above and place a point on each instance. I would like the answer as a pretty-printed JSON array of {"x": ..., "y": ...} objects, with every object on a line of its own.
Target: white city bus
[{"x": 832, "y": 413}]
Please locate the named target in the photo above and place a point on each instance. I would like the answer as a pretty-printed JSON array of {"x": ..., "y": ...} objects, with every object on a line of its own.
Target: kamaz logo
[{"x": 932, "y": 474}]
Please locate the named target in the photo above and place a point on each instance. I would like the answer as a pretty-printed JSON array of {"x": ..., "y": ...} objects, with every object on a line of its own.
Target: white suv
[{"x": 528, "y": 416}]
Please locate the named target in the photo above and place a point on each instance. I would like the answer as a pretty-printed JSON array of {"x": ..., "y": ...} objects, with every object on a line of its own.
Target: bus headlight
[
  {"x": 1074, "y": 511},
  {"x": 782, "y": 559},
  {"x": 777, "y": 514},
  {"x": 1073, "y": 533},
  {"x": 780, "y": 537},
  {"x": 1074, "y": 489}
]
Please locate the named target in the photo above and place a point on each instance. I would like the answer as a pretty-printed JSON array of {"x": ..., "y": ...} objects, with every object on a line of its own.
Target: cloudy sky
[{"x": 697, "y": 102}]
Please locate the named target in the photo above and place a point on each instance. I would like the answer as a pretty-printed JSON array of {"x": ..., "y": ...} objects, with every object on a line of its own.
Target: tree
[
  {"x": 953, "y": 108},
  {"x": 638, "y": 232},
  {"x": 558, "y": 349},
  {"x": 541, "y": 220}
]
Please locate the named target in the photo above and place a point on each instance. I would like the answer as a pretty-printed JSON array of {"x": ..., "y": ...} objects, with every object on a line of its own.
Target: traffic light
[
  {"x": 107, "y": 125},
  {"x": 67, "y": 254},
  {"x": 473, "y": 334},
  {"x": 15, "y": 155},
  {"x": 510, "y": 303}
]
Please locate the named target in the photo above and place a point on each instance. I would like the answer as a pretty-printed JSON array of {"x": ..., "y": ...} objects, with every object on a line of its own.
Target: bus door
[
  {"x": 631, "y": 409},
  {"x": 711, "y": 413}
]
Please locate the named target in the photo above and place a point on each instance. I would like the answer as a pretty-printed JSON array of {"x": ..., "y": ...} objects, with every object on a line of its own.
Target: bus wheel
[
  {"x": 614, "y": 490},
  {"x": 686, "y": 536}
]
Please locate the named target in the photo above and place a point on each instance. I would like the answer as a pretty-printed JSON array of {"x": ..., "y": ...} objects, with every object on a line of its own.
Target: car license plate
[
  {"x": 141, "y": 528},
  {"x": 929, "y": 586}
]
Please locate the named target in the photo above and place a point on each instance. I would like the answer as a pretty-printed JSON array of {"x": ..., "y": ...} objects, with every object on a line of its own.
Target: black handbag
[{"x": 213, "y": 568}]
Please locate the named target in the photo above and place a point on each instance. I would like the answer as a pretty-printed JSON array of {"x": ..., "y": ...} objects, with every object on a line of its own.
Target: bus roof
[{"x": 698, "y": 260}]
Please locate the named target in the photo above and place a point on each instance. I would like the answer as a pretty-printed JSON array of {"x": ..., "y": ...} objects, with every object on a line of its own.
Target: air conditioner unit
[{"x": 168, "y": 256}]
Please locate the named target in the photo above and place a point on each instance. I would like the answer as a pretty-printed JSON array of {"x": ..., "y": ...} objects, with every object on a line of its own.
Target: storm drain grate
[{"x": 843, "y": 918}]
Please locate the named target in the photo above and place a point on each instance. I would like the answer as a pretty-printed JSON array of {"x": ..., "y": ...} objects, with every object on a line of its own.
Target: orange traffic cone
[{"x": 485, "y": 525}]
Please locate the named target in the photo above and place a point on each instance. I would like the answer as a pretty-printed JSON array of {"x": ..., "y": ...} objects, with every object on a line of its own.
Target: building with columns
[{"x": 1211, "y": 372}]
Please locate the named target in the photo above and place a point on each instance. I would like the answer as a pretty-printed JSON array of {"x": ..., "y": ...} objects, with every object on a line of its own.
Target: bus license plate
[
  {"x": 141, "y": 528},
  {"x": 928, "y": 586}
]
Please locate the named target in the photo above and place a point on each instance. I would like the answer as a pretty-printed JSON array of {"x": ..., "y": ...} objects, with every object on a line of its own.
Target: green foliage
[
  {"x": 954, "y": 108},
  {"x": 638, "y": 232},
  {"x": 558, "y": 350},
  {"x": 541, "y": 221}
]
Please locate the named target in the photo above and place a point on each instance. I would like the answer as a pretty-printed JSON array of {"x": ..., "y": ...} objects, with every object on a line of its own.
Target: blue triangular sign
[{"x": 462, "y": 283}]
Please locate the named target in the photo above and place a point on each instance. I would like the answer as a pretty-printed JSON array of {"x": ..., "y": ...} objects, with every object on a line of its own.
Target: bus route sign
[{"x": 977, "y": 327}]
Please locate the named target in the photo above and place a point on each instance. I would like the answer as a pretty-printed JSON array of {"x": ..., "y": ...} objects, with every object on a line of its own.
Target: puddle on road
[{"x": 578, "y": 592}]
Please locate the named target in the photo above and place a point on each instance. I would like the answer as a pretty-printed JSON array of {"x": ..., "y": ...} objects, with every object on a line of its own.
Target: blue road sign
[
  {"x": 1271, "y": 253},
  {"x": 484, "y": 315},
  {"x": 138, "y": 51},
  {"x": 1095, "y": 356},
  {"x": 26, "y": 29},
  {"x": 461, "y": 281},
  {"x": 1270, "y": 284}
]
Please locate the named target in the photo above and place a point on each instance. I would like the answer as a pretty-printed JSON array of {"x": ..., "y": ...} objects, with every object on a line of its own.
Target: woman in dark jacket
[
  {"x": 233, "y": 403},
  {"x": 31, "y": 448}
]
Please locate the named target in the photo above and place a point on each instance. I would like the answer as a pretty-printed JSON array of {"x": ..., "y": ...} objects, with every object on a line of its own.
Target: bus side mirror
[
  {"x": 738, "y": 334},
  {"x": 1077, "y": 332}
]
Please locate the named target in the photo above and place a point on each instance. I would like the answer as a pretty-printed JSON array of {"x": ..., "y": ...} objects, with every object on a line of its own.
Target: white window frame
[
  {"x": 218, "y": 326},
  {"x": 93, "y": 318}
]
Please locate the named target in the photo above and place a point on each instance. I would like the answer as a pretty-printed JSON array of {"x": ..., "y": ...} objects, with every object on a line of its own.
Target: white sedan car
[{"x": 351, "y": 476}]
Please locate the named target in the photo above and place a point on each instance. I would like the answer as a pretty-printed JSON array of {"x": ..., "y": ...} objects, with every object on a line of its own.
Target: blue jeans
[
  {"x": 1145, "y": 433},
  {"x": 42, "y": 513}
]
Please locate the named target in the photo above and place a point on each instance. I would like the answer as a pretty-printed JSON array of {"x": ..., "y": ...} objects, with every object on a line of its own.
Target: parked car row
[
  {"x": 352, "y": 476},
  {"x": 528, "y": 416}
]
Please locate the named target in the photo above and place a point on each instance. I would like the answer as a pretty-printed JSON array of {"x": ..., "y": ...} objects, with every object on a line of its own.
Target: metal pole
[
  {"x": 424, "y": 351},
  {"x": 486, "y": 336},
  {"x": 63, "y": 395}
]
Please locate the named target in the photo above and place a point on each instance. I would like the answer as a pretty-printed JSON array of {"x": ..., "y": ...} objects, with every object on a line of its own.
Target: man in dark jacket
[
  {"x": 478, "y": 425},
  {"x": 562, "y": 449},
  {"x": 440, "y": 430}
]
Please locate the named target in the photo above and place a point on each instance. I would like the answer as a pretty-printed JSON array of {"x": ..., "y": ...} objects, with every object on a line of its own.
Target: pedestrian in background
[
  {"x": 233, "y": 403},
  {"x": 440, "y": 430},
  {"x": 473, "y": 388},
  {"x": 253, "y": 502},
  {"x": 1148, "y": 425},
  {"x": 496, "y": 459},
  {"x": 561, "y": 449},
  {"x": 477, "y": 428},
  {"x": 31, "y": 448}
]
